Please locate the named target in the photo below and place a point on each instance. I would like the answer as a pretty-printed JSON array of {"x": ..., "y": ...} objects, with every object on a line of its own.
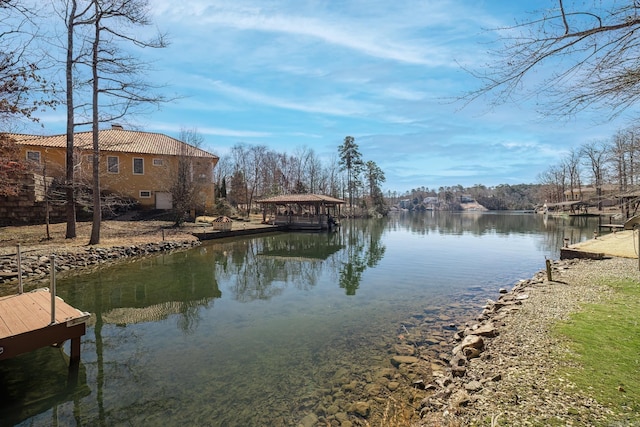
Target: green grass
[{"x": 605, "y": 339}]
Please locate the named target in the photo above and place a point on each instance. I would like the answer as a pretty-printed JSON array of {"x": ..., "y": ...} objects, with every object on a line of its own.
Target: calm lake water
[{"x": 254, "y": 331}]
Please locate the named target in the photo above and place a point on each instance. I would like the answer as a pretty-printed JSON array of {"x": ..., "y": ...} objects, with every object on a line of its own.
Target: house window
[
  {"x": 138, "y": 165},
  {"x": 113, "y": 164},
  {"x": 89, "y": 158},
  {"x": 33, "y": 156},
  {"x": 145, "y": 194},
  {"x": 157, "y": 162}
]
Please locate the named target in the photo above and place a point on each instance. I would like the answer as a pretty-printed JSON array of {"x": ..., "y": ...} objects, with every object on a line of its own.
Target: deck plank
[
  {"x": 25, "y": 323},
  {"x": 4, "y": 328},
  {"x": 24, "y": 313},
  {"x": 64, "y": 311},
  {"x": 10, "y": 311}
]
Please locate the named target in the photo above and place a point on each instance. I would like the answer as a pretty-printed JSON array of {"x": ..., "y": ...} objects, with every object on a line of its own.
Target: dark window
[
  {"x": 113, "y": 164},
  {"x": 138, "y": 165}
]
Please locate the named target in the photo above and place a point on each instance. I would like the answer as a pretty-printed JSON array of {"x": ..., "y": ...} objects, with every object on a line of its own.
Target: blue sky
[{"x": 290, "y": 74}]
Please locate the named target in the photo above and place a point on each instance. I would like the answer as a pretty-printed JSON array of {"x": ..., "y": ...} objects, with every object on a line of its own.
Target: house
[
  {"x": 608, "y": 193},
  {"x": 133, "y": 164},
  {"x": 431, "y": 203}
]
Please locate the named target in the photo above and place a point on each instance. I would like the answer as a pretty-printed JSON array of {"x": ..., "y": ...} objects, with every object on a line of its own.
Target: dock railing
[
  {"x": 19, "y": 261},
  {"x": 52, "y": 289},
  {"x": 52, "y": 282}
]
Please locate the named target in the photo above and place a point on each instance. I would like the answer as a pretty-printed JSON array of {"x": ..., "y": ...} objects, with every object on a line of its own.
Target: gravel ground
[{"x": 518, "y": 368}]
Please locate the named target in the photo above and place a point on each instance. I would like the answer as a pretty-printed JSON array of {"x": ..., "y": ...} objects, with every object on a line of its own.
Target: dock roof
[{"x": 301, "y": 198}]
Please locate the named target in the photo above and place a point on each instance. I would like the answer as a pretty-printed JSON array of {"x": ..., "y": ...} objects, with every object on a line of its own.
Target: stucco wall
[{"x": 156, "y": 177}]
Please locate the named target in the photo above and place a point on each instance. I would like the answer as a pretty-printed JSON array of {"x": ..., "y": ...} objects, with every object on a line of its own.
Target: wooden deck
[{"x": 26, "y": 324}]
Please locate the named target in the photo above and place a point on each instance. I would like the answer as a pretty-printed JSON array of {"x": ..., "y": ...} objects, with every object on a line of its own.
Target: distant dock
[
  {"x": 249, "y": 230},
  {"x": 31, "y": 320}
]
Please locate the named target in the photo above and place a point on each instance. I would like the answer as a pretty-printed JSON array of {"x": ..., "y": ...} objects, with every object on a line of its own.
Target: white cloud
[
  {"x": 334, "y": 104},
  {"x": 213, "y": 131},
  {"x": 408, "y": 33}
]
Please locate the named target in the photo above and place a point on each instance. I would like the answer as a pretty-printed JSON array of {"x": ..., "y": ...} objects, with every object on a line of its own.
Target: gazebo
[{"x": 301, "y": 211}]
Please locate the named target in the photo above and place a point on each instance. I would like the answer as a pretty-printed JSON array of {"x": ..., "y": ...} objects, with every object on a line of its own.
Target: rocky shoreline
[
  {"x": 503, "y": 368},
  {"x": 37, "y": 266}
]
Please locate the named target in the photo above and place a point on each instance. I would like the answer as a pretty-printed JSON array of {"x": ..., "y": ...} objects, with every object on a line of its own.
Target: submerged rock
[
  {"x": 361, "y": 408},
  {"x": 308, "y": 421},
  {"x": 403, "y": 360}
]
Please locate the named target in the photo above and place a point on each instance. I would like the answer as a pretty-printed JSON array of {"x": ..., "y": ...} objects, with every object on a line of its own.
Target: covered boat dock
[
  {"x": 572, "y": 208},
  {"x": 313, "y": 212}
]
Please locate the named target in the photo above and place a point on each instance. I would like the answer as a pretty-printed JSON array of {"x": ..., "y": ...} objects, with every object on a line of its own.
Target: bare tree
[
  {"x": 572, "y": 167},
  {"x": 589, "y": 48},
  {"x": 620, "y": 157},
  {"x": 116, "y": 76},
  {"x": 11, "y": 163},
  {"x": 331, "y": 173},
  {"x": 22, "y": 89},
  {"x": 271, "y": 176},
  {"x": 221, "y": 174},
  {"x": 247, "y": 162},
  {"x": 184, "y": 188},
  {"x": 554, "y": 182},
  {"x": 595, "y": 153},
  {"x": 74, "y": 18}
]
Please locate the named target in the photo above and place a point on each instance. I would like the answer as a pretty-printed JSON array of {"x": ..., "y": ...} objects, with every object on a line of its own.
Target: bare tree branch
[{"x": 587, "y": 53}]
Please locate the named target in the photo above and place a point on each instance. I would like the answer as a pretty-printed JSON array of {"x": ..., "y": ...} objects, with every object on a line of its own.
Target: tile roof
[{"x": 119, "y": 140}]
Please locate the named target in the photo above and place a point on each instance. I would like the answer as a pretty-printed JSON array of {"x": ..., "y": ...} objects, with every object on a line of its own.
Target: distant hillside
[{"x": 473, "y": 206}]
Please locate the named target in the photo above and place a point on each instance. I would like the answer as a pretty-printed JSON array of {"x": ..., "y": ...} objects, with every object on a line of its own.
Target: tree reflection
[
  {"x": 553, "y": 230},
  {"x": 364, "y": 250},
  {"x": 262, "y": 268}
]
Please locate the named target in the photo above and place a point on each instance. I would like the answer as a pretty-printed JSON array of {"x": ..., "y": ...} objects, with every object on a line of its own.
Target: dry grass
[{"x": 112, "y": 233}]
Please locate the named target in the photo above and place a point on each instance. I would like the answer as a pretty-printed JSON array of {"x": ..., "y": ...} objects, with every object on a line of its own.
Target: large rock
[
  {"x": 458, "y": 362},
  {"x": 471, "y": 353},
  {"x": 474, "y": 341},
  {"x": 486, "y": 330}
]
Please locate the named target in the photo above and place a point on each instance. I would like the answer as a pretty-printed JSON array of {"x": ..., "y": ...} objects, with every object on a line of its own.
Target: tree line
[
  {"x": 249, "y": 172},
  {"x": 450, "y": 198},
  {"x": 612, "y": 164}
]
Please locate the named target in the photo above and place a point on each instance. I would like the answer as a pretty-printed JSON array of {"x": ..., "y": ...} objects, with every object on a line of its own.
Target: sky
[{"x": 289, "y": 74}]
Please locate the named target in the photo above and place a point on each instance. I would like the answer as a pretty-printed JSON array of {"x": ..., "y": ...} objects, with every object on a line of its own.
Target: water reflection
[
  {"x": 35, "y": 382},
  {"x": 145, "y": 291},
  {"x": 255, "y": 331},
  {"x": 553, "y": 229},
  {"x": 364, "y": 250}
]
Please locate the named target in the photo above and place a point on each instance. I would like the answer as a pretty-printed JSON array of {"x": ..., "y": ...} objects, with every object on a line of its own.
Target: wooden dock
[{"x": 26, "y": 324}]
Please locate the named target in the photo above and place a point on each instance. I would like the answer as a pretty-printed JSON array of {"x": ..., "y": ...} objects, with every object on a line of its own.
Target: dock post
[
  {"x": 52, "y": 289},
  {"x": 19, "y": 260},
  {"x": 74, "y": 358},
  {"x": 548, "y": 264}
]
